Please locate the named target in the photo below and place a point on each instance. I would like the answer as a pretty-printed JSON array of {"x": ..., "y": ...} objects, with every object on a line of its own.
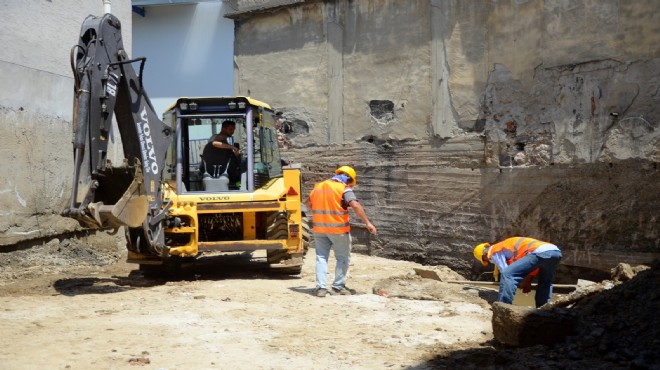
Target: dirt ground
[
  {"x": 74, "y": 304},
  {"x": 77, "y": 305}
]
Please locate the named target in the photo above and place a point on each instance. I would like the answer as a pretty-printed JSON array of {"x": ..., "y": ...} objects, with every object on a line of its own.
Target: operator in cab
[{"x": 220, "y": 155}]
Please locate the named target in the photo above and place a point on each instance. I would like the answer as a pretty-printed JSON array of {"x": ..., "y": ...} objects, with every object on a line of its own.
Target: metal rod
[{"x": 468, "y": 282}]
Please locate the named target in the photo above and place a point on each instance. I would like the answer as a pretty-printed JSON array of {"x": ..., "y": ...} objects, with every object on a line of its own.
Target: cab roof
[{"x": 209, "y": 99}]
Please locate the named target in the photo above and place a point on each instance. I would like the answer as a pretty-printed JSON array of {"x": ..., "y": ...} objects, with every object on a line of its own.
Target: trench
[{"x": 528, "y": 299}]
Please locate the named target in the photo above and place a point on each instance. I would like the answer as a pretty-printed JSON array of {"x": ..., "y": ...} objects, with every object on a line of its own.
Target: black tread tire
[
  {"x": 278, "y": 228},
  {"x": 169, "y": 268},
  {"x": 295, "y": 270},
  {"x": 307, "y": 235}
]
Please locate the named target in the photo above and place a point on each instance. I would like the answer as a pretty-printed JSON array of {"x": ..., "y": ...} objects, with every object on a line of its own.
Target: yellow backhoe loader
[{"x": 175, "y": 201}]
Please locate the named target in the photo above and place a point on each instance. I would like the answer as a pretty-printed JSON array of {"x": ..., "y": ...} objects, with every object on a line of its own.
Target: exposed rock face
[{"x": 472, "y": 121}]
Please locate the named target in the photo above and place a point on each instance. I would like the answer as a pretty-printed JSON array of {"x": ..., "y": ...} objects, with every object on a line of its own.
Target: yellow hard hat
[
  {"x": 348, "y": 171},
  {"x": 479, "y": 253}
]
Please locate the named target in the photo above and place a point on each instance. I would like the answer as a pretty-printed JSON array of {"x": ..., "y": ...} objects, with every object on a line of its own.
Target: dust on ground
[
  {"x": 74, "y": 304},
  {"x": 227, "y": 312}
]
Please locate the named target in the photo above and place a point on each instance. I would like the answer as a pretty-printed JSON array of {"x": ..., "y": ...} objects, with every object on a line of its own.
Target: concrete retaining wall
[
  {"x": 471, "y": 121},
  {"x": 36, "y": 96}
]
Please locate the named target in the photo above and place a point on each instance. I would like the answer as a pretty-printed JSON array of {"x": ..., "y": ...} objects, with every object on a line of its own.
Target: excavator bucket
[
  {"x": 111, "y": 207},
  {"x": 130, "y": 210}
]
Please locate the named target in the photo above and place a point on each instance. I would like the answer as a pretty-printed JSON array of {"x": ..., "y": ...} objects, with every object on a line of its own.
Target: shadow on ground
[
  {"x": 493, "y": 356},
  {"x": 224, "y": 267},
  {"x": 94, "y": 285}
]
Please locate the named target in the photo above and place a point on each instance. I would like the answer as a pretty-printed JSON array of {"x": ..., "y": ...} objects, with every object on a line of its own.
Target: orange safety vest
[
  {"x": 519, "y": 246},
  {"x": 328, "y": 216}
]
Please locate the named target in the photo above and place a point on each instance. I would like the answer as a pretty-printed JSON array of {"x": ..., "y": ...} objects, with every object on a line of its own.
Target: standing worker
[
  {"x": 518, "y": 260},
  {"x": 329, "y": 202}
]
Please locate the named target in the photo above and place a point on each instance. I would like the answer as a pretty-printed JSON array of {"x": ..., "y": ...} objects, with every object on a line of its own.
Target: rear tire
[
  {"x": 169, "y": 268},
  {"x": 280, "y": 260},
  {"x": 306, "y": 235},
  {"x": 295, "y": 270}
]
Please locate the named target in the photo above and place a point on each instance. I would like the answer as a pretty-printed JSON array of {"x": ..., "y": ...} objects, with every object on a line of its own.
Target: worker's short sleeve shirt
[{"x": 348, "y": 197}]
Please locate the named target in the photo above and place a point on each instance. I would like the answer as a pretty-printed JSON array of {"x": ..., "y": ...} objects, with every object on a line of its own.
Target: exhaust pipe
[{"x": 106, "y": 7}]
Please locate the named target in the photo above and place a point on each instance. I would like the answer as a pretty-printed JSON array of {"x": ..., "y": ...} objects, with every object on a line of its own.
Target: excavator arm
[{"x": 105, "y": 195}]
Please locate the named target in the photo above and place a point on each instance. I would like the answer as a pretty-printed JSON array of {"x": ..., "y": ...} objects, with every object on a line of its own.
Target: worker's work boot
[
  {"x": 343, "y": 291},
  {"x": 320, "y": 292}
]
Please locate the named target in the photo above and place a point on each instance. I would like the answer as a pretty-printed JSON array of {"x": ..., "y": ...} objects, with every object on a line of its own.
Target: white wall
[{"x": 189, "y": 50}]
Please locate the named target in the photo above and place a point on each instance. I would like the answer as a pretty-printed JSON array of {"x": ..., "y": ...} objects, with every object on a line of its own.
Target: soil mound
[
  {"x": 616, "y": 328},
  {"x": 621, "y": 324}
]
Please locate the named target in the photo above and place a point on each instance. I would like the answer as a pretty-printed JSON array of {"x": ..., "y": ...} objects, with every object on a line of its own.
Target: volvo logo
[
  {"x": 146, "y": 143},
  {"x": 209, "y": 198}
]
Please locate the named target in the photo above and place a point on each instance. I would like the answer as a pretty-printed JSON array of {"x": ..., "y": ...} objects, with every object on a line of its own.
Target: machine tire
[
  {"x": 168, "y": 268},
  {"x": 293, "y": 270},
  {"x": 307, "y": 235},
  {"x": 278, "y": 228}
]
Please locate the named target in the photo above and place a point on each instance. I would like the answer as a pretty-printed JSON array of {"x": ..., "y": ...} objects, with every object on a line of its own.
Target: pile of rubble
[
  {"x": 614, "y": 324},
  {"x": 620, "y": 324}
]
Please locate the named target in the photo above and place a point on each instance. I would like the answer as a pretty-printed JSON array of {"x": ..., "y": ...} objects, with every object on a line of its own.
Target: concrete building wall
[
  {"x": 471, "y": 121},
  {"x": 36, "y": 95}
]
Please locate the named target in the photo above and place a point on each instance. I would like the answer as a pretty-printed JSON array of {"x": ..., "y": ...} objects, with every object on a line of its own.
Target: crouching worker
[{"x": 517, "y": 260}]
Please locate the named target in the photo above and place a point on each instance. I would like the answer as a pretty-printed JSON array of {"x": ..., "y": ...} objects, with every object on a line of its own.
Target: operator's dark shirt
[{"x": 212, "y": 157}]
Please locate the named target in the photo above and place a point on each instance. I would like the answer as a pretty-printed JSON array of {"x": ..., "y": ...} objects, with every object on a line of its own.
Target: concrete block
[
  {"x": 440, "y": 273},
  {"x": 518, "y": 326}
]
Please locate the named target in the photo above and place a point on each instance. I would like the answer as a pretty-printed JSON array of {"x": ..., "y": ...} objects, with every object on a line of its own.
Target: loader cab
[{"x": 194, "y": 165}]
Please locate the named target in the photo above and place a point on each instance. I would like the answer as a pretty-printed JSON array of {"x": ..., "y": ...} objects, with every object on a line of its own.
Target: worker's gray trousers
[
  {"x": 341, "y": 244},
  {"x": 514, "y": 274}
]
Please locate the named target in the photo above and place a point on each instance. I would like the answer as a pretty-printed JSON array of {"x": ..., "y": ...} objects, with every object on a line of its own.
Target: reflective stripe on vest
[{"x": 328, "y": 216}]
